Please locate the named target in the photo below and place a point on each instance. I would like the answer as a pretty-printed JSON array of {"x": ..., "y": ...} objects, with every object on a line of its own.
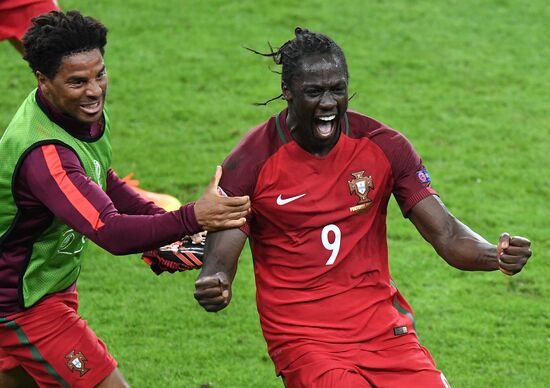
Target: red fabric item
[
  {"x": 408, "y": 365},
  {"x": 7, "y": 362},
  {"x": 16, "y": 16},
  {"x": 318, "y": 234},
  {"x": 54, "y": 344}
]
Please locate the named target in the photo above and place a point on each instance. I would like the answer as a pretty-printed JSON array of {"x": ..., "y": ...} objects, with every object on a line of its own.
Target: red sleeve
[
  {"x": 411, "y": 181},
  {"x": 126, "y": 200},
  {"x": 56, "y": 178},
  {"x": 243, "y": 164}
]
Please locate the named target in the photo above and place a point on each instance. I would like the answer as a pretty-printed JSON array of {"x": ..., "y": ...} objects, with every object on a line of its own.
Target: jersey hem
[{"x": 290, "y": 353}]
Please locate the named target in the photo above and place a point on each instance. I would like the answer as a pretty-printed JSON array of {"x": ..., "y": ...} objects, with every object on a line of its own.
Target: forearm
[
  {"x": 81, "y": 204},
  {"x": 222, "y": 253},
  {"x": 213, "y": 286},
  {"x": 214, "y": 264},
  {"x": 455, "y": 242},
  {"x": 124, "y": 234},
  {"x": 464, "y": 249}
]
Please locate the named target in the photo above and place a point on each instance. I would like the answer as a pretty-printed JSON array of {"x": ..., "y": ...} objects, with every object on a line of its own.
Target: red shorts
[
  {"x": 54, "y": 345},
  {"x": 407, "y": 365},
  {"x": 14, "y": 22}
]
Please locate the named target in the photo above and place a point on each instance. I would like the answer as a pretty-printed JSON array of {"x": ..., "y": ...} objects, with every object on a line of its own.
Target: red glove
[{"x": 180, "y": 256}]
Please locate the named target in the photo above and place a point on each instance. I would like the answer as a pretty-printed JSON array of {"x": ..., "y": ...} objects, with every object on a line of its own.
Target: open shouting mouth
[{"x": 325, "y": 125}]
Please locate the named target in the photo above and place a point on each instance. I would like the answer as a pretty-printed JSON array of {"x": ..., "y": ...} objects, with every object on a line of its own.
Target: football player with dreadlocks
[{"x": 320, "y": 177}]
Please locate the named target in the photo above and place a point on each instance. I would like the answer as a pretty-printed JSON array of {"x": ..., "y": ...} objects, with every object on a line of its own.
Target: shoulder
[
  {"x": 389, "y": 140},
  {"x": 242, "y": 165},
  {"x": 256, "y": 146},
  {"x": 361, "y": 125},
  {"x": 53, "y": 154},
  {"x": 45, "y": 161}
]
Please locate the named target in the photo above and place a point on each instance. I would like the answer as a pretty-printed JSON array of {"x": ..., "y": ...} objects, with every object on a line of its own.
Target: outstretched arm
[
  {"x": 52, "y": 176},
  {"x": 461, "y": 247},
  {"x": 221, "y": 255},
  {"x": 126, "y": 200}
]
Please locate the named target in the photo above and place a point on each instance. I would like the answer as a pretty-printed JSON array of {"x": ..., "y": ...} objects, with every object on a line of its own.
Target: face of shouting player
[
  {"x": 317, "y": 100},
  {"x": 79, "y": 87}
]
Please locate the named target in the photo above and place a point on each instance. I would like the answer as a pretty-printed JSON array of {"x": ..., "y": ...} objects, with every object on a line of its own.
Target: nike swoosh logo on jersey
[{"x": 281, "y": 201}]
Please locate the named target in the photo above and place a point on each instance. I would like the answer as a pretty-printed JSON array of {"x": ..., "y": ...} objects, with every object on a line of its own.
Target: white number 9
[{"x": 331, "y": 246}]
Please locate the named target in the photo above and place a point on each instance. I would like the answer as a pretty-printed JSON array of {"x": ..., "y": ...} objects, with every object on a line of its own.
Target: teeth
[
  {"x": 327, "y": 118},
  {"x": 91, "y": 108}
]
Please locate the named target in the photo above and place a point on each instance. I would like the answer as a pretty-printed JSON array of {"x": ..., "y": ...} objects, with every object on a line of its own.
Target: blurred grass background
[{"x": 466, "y": 81}]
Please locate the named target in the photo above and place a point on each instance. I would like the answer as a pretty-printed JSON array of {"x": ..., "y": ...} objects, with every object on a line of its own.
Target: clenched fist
[
  {"x": 213, "y": 292},
  {"x": 512, "y": 253}
]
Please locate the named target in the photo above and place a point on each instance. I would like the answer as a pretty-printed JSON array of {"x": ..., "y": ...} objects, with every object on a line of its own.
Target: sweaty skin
[{"x": 320, "y": 92}]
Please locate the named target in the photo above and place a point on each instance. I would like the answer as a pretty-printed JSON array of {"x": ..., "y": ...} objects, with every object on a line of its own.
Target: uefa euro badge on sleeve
[
  {"x": 423, "y": 176},
  {"x": 361, "y": 186}
]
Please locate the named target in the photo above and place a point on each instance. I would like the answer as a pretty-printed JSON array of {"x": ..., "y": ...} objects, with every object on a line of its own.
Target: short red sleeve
[
  {"x": 242, "y": 166},
  {"x": 411, "y": 180}
]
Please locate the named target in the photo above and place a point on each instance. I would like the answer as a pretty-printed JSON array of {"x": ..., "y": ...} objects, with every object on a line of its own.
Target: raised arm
[
  {"x": 461, "y": 247},
  {"x": 222, "y": 251}
]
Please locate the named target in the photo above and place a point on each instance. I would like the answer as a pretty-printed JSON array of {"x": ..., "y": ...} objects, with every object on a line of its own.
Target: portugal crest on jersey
[
  {"x": 77, "y": 362},
  {"x": 361, "y": 186}
]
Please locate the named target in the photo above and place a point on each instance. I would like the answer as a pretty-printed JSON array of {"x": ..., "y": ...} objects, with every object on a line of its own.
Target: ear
[
  {"x": 43, "y": 82},
  {"x": 287, "y": 94}
]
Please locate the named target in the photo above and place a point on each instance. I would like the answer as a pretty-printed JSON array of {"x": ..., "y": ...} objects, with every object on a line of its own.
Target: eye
[
  {"x": 339, "y": 90},
  {"x": 313, "y": 92}
]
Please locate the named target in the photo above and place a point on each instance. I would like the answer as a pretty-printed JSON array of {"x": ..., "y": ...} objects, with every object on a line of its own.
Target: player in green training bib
[{"x": 58, "y": 191}]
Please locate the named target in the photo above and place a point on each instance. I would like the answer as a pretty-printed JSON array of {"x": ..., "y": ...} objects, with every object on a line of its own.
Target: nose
[
  {"x": 327, "y": 100},
  {"x": 94, "y": 89}
]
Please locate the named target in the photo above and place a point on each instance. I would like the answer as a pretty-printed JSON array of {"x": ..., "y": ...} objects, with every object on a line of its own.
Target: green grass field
[{"x": 466, "y": 81}]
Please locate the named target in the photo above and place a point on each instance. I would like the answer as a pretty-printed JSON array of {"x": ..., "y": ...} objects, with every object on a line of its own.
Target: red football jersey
[{"x": 318, "y": 233}]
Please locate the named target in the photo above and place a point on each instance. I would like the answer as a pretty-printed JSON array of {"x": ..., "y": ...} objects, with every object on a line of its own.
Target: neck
[{"x": 306, "y": 141}]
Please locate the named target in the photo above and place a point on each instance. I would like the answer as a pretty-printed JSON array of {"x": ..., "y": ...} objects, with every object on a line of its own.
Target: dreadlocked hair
[
  {"x": 55, "y": 35},
  {"x": 305, "y": 43}
]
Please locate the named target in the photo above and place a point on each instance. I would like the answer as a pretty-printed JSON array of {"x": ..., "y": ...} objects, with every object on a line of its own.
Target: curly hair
[
  {"x": 305, "y": 43},
  {"x": 55, "y": 35}
]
